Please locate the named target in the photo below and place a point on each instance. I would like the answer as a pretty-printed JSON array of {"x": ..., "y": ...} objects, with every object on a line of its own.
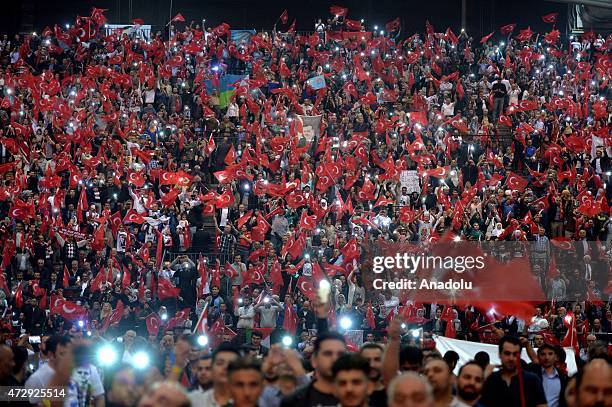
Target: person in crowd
[
  {"x": 245, "y": 381},
  {"x": 203, "y": 369},
  {"x": 373, "y": 353},
  {"x": 410, "y": 389},
  {"x": 553, "y": 381},
  {"x": 169, "y": 394},
  {"x": 594, "y": 384},
  {"x": 439, "y": 375},
  {"x": 469, "y": 385},
  {"x": 219, "y": 394},
  {"x": 328, "y": 348},
  {"x": 352, "y": 380},
  {"x": 504, "y": 387}
]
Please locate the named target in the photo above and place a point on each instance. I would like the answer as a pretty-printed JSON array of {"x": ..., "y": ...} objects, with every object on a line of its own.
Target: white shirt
[
  {"x": 448, "y": 109},
  {"x": 204, "y": 399},
  {"x": 39, "y": 379}
]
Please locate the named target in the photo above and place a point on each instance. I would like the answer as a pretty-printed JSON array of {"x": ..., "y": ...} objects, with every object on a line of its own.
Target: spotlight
[
  {"x": 107, "y": 355},
  {"x": 141, "y": 360},
  {"x": 202, "y": 340},
  {"x": 415, "y": 333},
  {"x": 287, "y": 341},
  {"x": 81, "y": 324},
  {"x": 345, "y": 323}
]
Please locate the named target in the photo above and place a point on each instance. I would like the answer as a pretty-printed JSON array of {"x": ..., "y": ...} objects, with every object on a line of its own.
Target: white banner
[
  {"x": 467, "y": 350},
  {"x": 410, "y": 180},
  {"x": 140, "y": 31}
]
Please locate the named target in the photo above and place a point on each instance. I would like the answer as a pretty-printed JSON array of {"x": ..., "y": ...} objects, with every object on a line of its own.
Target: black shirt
[
  {"x": 378, "y": 398},
  {"x": 499, "y": 90},
  {"x": 496, "y": 392},
  {"x": 309, "y": 397}
]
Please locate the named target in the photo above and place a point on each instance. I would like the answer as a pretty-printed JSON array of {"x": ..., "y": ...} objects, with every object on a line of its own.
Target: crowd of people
[{"x": 165, "y": 230}]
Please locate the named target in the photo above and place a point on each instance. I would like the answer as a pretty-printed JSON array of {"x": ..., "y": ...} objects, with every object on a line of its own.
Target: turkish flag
[
  {"x": 210, "y": 146},
  {"x": 170, "y": 197},
  {"x": 200, "y": 327},
  {"x": 338, "y": 11},
  {"x": 100, "y": 279},
  {"x": 178, "y": 319},
  {"x": 276, "y": 276},
  {"x": 255, "y": 275},
  {"x": 449, "y": 316},
  {"x": 515, "y": 182},
  {"x": 230, "y": 157},
  {"x": 350, "y": 251},
  {"x": 215, "y": 278},
  {"x": 97, "y": 16},
  {"x": 153, "y": 323},
  {"x": 439, "y": 172},
  {"x": 133, "y": 217},
  {"x": 243, "y": 219},
  {"x": 136, "y": 178},
  {"x": 165, "y": 289},
  {"x": 258, "y": 233},
  {"x": 290, "y": 320},
  {"x": 563, "y": 243},
  {"x": 507, "y": 29},
  {"x": 370, "y": 317},
  {"x": 225, "y": 200},
  {"x": 486, "y": 37},
  {"x": 393, "y": 25},
  {"x": 525, "y": 34},
  {"x": 126, "y": 279},
  {"x": 308, "y": 222},
  {"x": 179, "y": 17},
  {"x": 82, "y": 205},
  {"x": 284, "y": 17},
  {"x": 66, "y": 279},
  {"x": 67, "y": 309},
  {"x": 306, "y": 287},
  {"x": 550, "y": 18},
  {"x": 115, "y": 317},
  {"x": 116, "y": 221},
  {"x": 571, "y": 337},
  {"x": 19, "y": 296},
  {"x": 353, "y": 25}
]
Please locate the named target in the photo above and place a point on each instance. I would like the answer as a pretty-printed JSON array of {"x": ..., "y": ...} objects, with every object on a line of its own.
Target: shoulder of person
[{"x": 298, "y": 397}]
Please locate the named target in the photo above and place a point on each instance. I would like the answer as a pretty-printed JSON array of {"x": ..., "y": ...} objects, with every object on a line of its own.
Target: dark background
[{"x": 483, "y": 16}]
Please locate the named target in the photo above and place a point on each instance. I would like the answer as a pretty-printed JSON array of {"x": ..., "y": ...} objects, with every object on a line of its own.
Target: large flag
[
  {"x": 284, "y": 17},
  {"x": 550, "y": 18},
  {"x": 317, "y": 82},
  {"x": 338, "y": 11},
  {"x": 225, "y": 87}
]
